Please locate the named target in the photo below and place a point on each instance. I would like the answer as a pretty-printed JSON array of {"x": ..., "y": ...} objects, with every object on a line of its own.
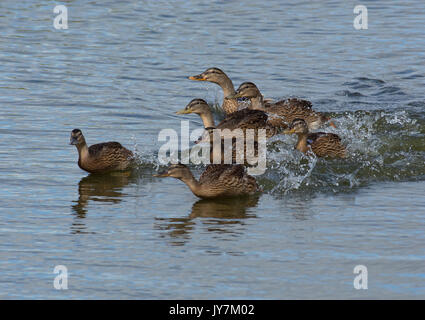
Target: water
[{"x": 120, "y": 72}]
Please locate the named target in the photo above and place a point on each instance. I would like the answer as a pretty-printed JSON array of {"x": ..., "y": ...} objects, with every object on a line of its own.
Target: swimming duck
[
  {"x": 322, "y": 144},
  {"x": 215, "y": 75},
  {"x": 221, "y": 152},
  {"x": 288, "y": 109},
  {"x": 241, "y": 119},
  {"x": 101, "y": 158},
  {"x": 218, "y": 180}
]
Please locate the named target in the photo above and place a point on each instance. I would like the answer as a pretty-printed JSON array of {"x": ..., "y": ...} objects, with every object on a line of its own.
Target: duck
[
  {"x": 322, "y": 144},
  {"x": 102, "y": 157},
  {"x": 220, "y": 153},
  {"x": 217, "y": 181},
  {"x": 217, "y": 76},
  {"x": 289, "y": 109},
  {"x": 242, "y": 119}
]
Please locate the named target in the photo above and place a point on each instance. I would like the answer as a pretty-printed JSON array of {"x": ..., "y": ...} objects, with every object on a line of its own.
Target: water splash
[{"x": 382, "y": 146}]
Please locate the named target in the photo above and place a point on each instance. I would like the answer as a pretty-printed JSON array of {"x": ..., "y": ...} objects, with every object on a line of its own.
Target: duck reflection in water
[
  {"x": 218, "y": 215},
  {"x": 99, "y": 188}
]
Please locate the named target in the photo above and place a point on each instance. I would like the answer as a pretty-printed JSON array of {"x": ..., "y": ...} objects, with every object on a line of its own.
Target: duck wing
[
  {"x": 244, "y": 119},
  {"x": 228, "y": 180},
  {"x": 212, "y": 172},
  {"x": 108, "y": 149},
  {"x": 237, "y": 180},
  {"x": 326, "y": 144},
  {"x": 290, "y": 107}
]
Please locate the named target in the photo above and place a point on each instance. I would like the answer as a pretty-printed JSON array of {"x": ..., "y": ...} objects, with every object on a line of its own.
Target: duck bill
[
  {"x": 162, "y": 175},
  {"x": 73, "y": 141},
  {"x": 198, "y": 77},
  {"x": 183, "y": 111},
  {"x": 289, "y": 131}
]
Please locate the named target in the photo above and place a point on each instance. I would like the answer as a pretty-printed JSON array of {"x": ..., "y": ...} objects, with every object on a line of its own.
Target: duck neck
[
  {"x": 257, "y": 103},
  {"x": 83, "y": 150},
  {"x": 207, "y": 119},
  {"x": 302, "y": 142},
  {"x": 227, "y": 86},
  {"x": 229, "y": 105},
  {"x": 193, "y": 184}
]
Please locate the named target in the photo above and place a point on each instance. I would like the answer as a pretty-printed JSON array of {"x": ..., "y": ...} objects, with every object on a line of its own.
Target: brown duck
[
  {"x": 242, "y": 119},
  {"x": 217, "y": 76},
  {"x": 322, "y": 144},
  {"x": 218, "y": 180},
  {"x": 288, "y": 109},
  {"x": 101, "y": 158},
  {"x": 228, "y": 152}
]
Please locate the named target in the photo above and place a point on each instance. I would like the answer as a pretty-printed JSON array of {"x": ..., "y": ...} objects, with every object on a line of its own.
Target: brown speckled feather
[
  {"x": 253, "y": 119},
  {"x": 295, "y": 103},
  {"x": 228, "y": 180},
  {"x": 275, "y": 125},
  {"x": 230, "y": 106},
  {"x": 244, "y": 119},
  {"x": 295, "y": 108},
  {"x": 326, "y": 144},
  {"x": 105, "y": 157}
]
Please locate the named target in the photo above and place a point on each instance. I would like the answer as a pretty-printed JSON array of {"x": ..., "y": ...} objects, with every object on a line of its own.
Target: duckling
[
  {"x": 241, "y": 119},
  {"x": 288, "y": 109},
  {"x": 101, "y": 158},
  {"x": 218, "y": 180},
  {"x": 217, "y": 76},
  {"x": 322, "y": 144}
]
